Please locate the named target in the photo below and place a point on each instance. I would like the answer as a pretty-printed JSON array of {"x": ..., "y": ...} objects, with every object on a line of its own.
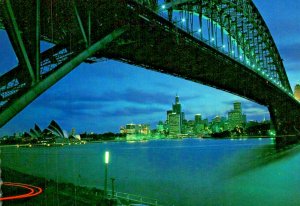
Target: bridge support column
[
  {"x": 37, "y": 89},
  {"x": 286, "y": 121}
]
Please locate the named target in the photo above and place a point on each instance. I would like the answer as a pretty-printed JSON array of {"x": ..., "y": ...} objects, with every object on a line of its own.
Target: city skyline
[
  {"x": 176, "y": 109},
  {"x": 176, "y": 124},
  {"x": 113, "y": 93}
]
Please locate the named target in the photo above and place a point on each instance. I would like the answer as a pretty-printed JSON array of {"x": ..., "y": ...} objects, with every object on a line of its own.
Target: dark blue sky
[{"x": 101, "y": 97}]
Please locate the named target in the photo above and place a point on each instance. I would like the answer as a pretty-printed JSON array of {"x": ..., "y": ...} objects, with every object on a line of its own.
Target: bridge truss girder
[
  {"x": 242, "y": 23},
  {"x": 27, "y": 94},
  {"x": 73, "y": 40},
  {"x": 23, "y": 47}
]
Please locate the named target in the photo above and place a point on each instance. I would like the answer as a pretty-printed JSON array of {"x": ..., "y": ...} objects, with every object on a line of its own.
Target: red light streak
[{"x": 32, "y": 191}]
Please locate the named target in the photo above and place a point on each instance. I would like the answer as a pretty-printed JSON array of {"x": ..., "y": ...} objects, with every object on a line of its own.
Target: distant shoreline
[{"x": 27, "y": 145}]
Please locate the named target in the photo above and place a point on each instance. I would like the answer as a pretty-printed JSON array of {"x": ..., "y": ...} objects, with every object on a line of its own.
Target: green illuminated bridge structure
[{"x": 220, "y": 43}]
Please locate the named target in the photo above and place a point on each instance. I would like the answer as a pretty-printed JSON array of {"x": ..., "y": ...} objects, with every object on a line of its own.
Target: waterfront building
[
  {"x": 174, "y": 124},
  {"x": 235, "y": 116},
  {"x": 297, "y": 92},
  {"x": 160, "y": 128},
  {"x": 244, "y": 119},
  {"x": 168, "y": 113},
  {"x": 198, "y": 119},
  {"x": 135, "y": 131},
  {"x": 218, "y": 124},
  {"x": 54, "y": 130},
  {"x": 176, "y": 108},
  {"x": 217, "y": 119},
  {"x": 200, "y": 124},
  {"x": 122, "y": 130},
  {"x": 216, "y": 128},
  {"x": 184, "y": 126},
  {"x": 205, "y": 122},
  {"x": 175, "y": 118},
  {"x": 36, "y": 132},
  {"x": 130, "y": 129},
  {"x": 53, "y": 133},
  {"x": 190, "y": 125},
  {"x": 199, "y": 128},
  {"x": 226, "y": 126},
  {"x": 143, "y": 129}
]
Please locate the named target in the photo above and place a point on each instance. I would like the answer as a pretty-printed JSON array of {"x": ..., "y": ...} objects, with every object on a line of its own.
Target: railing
[
  {"x": 135, "y": 198},
  {"x": 162, "y": 12},
  {"x": 245, "y": 62}
]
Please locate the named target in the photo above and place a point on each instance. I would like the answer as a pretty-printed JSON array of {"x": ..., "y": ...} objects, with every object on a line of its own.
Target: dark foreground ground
[{"x": 53, "y": 194}]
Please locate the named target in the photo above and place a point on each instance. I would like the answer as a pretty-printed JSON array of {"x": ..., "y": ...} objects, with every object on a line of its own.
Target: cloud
[
  {"x": 68, "y": 107},
  {"x": 65, "y": 100},
  {"x": 106, "y": 69},
  {"x": 132, "y": 111},
  {"x": 255, "y": 111},
  {"x": 251, "y": 109},
  {"x": 291, "y": 52}
]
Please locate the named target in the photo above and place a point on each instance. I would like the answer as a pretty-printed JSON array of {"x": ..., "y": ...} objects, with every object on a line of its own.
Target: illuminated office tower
[
  {"x": 175, "y": 118},
  {"x": 235, "y": 117},
  {"x": 198, "y": 119},
  {"x": 174, "y": 124}
]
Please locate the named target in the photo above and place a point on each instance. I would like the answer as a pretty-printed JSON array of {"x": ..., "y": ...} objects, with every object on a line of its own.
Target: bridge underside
[
  {"x": 148, "y": 41},
  {"x": 158, "y": 45}
]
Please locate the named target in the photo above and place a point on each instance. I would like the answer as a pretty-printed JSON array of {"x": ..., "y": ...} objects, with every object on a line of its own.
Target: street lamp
[
  {"x": 113, "y": 187},
  {"x": 105, "y": 172},
  {"x": 106, "y": 157}
]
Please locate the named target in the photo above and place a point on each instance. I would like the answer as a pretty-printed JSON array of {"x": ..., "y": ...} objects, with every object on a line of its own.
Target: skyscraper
[
  {"x": 175, "y": 118},
  {"x": 237, "y": 107},
  {"x": 174, "y": 124},
  {"x": 198, "y": 119},
  {"x": 236, "y": 117},
  {"x": 199, "y": 124},
  {"x": 297, "y": 92},
  {"x": 177, "y": 105},
  {"x": 168, "y": 114}
]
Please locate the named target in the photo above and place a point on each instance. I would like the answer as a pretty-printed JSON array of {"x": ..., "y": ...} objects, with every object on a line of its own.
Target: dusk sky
[{"x": 104, "y": 96}]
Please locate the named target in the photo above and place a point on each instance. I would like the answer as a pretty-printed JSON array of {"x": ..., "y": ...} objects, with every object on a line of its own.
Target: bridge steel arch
[
  {"x": 164, "y": 36},
  {"x": 242, "y": 22}
]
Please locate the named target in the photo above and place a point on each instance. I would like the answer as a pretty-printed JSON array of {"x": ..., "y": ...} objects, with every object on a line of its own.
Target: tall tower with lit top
[
  {"x": 177, "y": 105},
  {"x": 175, "y": 118}
]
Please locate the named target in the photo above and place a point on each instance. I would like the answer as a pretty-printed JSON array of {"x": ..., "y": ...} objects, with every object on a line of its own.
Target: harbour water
[{"x": 175, "y": 172}]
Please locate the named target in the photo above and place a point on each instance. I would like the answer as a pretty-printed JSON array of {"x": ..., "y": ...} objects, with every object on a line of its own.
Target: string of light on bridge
[{"x": 211, "y": 42}]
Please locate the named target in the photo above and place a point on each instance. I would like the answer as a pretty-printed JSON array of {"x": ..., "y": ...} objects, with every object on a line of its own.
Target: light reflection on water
[{"x": 179, "y": 172}]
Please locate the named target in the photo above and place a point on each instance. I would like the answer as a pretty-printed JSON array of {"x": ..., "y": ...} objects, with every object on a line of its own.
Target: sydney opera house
[
  {"x": 53, "y": 130},
  {"x": 53, "y": 133}
]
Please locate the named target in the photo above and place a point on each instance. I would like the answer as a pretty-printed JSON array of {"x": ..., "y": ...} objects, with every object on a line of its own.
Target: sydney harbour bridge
[{"x": 220, "y": 43}]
